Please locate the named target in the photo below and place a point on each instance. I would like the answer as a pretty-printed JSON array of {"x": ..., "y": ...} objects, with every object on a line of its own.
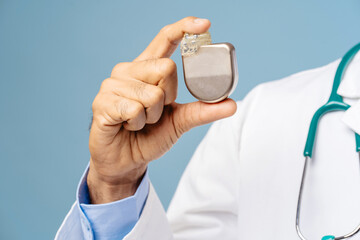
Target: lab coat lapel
[
  {"x": 350, "y": 84},
  {"x": 349, "y": 89},
  {"x": 352, "y": 117}
]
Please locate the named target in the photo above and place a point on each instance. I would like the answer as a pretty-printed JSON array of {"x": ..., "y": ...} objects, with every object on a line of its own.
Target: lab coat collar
[
  {"x": 350, "y": 84},
  {"x": 349, "y": 89},
  {"x": 352, "y": 117}
]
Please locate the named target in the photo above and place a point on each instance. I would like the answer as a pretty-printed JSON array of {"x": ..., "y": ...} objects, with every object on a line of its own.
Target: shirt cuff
[{"x": 116, "y": 219}]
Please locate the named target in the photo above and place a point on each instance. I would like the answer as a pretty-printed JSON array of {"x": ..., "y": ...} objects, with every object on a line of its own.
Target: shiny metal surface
[
  {"x": 298, "y": 210},
  {"x": 211, "y": 74}
]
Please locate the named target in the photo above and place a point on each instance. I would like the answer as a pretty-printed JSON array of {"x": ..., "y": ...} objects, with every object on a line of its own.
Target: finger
[
  {"x": 151, "y": 97},
  {"x": 135, "y": 115},
  {"x": 187, "y": 116},
  {"x": 165, "y": 43},
  {"x": 159, "y": 72},
  {"x": 110, "y": 110}
]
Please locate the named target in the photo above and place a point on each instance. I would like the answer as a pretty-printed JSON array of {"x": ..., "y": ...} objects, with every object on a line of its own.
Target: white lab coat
[{"x": 243, "y": 180}]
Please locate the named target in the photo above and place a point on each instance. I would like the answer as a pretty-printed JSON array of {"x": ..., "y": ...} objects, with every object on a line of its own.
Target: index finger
[{"x": 165, "y": 43}]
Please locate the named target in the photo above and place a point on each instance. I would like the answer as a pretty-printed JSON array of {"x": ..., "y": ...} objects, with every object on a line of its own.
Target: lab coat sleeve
[
  {"x": 153, "y": 223},
  {"x": 205, "y": 203}
]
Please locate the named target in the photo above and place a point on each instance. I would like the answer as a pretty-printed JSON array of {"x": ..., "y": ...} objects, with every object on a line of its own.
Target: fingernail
[{"x": 200, "y": 20}]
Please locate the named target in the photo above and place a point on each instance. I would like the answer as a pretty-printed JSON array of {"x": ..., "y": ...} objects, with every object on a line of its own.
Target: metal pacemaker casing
[{"x": 211, "y": 74}]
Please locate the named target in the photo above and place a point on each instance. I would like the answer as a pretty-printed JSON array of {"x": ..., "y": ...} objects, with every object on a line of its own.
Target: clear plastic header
[{"x": 191, "y": 43}]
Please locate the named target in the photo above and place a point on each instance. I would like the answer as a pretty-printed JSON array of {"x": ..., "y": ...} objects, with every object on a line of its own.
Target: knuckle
[
  {"x": 157, "y": 96},
  {"x": 134, "y": 110},
  {"x": 106, "y": 84},
  {"x": 189, "y": 18},
  {"x": 119, "y": 68},
  {"x": 166, "y": 29},
  {"x": 167, "y": 67},
  {"x": 101, "y": 121},
  {"x": 170, "y": 65},
  {"x": 96, "y": 104}
]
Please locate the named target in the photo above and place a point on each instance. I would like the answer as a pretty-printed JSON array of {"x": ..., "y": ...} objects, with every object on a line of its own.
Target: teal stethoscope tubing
[{"x": 335, "y": 103}]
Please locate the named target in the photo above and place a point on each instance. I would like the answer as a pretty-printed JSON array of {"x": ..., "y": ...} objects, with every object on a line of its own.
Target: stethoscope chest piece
[{"x": 329, "y": 237}]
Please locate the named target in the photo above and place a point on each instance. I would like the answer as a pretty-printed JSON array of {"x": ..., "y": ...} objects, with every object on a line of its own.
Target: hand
[{"x": 135, "y": 118}]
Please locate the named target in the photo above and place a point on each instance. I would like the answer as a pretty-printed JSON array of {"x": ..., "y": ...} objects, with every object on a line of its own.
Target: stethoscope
[{"x": 335, "y": 103}]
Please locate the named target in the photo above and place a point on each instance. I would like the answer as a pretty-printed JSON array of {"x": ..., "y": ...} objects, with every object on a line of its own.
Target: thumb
[{"x": 187, "y": 116}]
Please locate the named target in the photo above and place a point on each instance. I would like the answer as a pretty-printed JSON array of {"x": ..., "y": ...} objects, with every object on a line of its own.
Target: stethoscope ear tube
[
  {"x": 335, "y": 103},
  {"x": 328, "y": 107}
]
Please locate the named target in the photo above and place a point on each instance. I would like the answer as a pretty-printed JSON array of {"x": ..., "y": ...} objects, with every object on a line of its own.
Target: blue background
[{"x": 54, "y": 55}]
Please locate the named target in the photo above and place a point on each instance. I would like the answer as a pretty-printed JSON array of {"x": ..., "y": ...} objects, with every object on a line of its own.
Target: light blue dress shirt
[{"x": 105, "y": 221}]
